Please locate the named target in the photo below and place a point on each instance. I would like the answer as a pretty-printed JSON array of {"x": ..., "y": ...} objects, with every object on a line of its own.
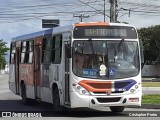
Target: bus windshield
[{"x": 105, "y": 59}]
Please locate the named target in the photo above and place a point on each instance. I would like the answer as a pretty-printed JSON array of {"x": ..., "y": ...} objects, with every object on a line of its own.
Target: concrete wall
[{"x": 151, "y": 71}]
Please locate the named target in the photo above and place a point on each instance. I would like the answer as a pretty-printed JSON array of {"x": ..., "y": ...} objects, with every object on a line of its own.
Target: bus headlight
[
  {"x": 136, "y": 86},
  {"x": 81, "y": 90},
  {"x": 78, "y": 87},
  {"x": 132, "y": 90}
]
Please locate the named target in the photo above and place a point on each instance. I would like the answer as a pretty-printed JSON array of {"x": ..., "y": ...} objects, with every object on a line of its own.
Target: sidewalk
[{"x": 150, "y": 79}]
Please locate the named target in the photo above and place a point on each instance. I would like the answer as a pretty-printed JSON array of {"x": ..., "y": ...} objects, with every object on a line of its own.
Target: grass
[
  {"x": 151, "y": 99},
  {"x": 150, "y": 84}
]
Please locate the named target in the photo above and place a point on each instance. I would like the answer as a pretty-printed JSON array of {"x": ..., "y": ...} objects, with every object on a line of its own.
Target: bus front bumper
[{"x": 78, "y": 100}]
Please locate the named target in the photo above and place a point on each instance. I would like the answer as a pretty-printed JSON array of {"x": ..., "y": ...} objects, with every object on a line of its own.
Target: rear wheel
[
  {"x": 56, "y": 100},
  {"x": 25, "y": 100},
  {"x": 117, "y": 108}
]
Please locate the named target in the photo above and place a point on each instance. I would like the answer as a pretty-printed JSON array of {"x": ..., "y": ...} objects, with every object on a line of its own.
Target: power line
[
  {"x": 94, "y": 8},
  {"x": 38, "y": 10},
  {"x": 81, "y": 17}
]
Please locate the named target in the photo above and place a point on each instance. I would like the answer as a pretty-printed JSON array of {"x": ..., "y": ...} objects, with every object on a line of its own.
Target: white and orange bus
[{"x": 82, "y": 65}]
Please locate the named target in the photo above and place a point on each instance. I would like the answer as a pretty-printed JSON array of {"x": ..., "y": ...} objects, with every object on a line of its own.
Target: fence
[{"x": 151, "y": 71}]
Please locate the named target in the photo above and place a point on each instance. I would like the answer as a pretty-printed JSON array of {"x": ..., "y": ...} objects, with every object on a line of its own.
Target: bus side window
[
  {"x": 27, "y": 52},
  {"x": 57, "y": 49},
  {"x": 13, "y": 51},
  {"x": 23, "y": 51},
  {"x": 30, "y": 52},
  {"x": 47, "y": 49}
]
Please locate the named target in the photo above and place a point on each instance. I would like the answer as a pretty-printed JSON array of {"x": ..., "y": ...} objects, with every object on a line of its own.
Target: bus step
[
  {"x": 67, "y": 104},
  {"x": 38, "y": 99}
]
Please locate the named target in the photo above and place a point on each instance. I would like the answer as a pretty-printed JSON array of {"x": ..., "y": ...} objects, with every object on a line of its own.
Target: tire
[
  {"x": 25, "y": 100},
  {"x": 117, "y": 108},
  {"x": 56, "y": 101}
]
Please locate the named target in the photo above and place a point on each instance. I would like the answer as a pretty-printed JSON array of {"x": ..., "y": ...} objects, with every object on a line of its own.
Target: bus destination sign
[{"x": 104, "y": 32}]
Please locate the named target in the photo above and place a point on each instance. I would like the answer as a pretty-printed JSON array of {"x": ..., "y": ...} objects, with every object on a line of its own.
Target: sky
[{"x": 18, "y": 17}]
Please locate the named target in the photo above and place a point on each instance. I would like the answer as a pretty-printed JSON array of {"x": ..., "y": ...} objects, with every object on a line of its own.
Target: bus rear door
[{"x": 37, "y": 67}]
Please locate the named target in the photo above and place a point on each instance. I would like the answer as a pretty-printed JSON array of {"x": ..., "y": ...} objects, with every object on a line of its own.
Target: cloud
[
  {"x": 10, "y": 30},
  {"x": 141, "y": 21}
]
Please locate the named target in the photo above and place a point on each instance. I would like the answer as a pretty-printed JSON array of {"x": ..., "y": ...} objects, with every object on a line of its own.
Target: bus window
[
  {"x": 22, "y": 57},
  {"x": 27, "y": 52},
  {"x": 47, "y": 49},
  {"x": 13, "y": 51},
  {"x": 30, "y": 52},
  {"x": 24, "y": 46},
  {"x": 23, "y": 50},
  {"x": 57, "y": 47}
]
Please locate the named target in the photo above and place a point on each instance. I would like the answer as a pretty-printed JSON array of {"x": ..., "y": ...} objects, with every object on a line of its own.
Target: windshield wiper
[
  {"x": 118, "y": 49},
  {"x": 93, "y": 51}
]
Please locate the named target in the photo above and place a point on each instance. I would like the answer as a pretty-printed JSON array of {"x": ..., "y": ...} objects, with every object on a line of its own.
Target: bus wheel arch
[
  {"x": 56, "y": 98},
  {"x": 25, "y": 100},
  {"x": 21, "y": 83}
]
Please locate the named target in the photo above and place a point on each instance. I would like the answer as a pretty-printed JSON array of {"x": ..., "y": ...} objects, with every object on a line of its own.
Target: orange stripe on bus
[
  {"x": 96, "y": 86},
  {"x": 92, "y": 24}
]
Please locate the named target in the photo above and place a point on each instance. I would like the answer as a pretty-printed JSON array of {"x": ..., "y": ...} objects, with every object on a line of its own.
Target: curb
[
  {"x": 147, "y": 106},
  {"x": 151, "y": 88},
  {"x": 150, "y": 79},
  {"x": 151, "y": 106}
]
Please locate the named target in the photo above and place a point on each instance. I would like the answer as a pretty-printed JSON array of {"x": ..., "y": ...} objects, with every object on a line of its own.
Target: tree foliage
[
  {"x": 3, "y": 50},
  {"x": 151, "y": 42}
]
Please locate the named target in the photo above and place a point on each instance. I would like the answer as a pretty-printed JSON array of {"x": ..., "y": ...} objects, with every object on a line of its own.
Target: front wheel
[{"x": 117, "y": 108}]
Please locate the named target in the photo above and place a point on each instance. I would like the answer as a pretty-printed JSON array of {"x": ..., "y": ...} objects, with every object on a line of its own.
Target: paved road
[{"x": 11, "y": 102}]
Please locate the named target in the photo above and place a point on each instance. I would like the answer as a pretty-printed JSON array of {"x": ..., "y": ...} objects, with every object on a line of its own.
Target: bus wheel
[
  {"x": 117, "y": 108},
  {"x": 56, "y": 100},
  {"x": 25, "y": 100}
]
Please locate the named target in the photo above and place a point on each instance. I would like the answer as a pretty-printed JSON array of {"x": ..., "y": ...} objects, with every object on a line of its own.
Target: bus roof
[
  {"x": 60, "y": 29},
  {"x": 30, "y": 35},
  {"x": 55, "y": 30},
  {"x": 101, "y": 24}
]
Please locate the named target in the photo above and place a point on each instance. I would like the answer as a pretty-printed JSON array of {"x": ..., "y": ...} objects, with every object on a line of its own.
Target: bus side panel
[
  {"x": 46, "y": 92},
  {"x": 26, "y": 74},
  {"x": 12, "y": 85},
  {"x": 45, "y": 75}
]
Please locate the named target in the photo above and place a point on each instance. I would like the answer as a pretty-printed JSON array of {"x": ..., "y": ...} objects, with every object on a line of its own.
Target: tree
[
  {"x": 3, "y": 50},
  {"x": 151, "y": 42}
]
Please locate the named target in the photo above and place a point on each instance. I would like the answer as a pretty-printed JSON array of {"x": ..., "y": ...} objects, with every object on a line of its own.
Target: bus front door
[{"x": 67, "y": 96}]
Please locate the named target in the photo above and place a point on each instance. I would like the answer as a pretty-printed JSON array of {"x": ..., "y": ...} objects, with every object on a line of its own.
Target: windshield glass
[{"x": 105, "y": 59}]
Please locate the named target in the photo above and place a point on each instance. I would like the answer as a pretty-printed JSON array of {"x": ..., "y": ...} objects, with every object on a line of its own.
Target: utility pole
[
  {"x": 81, "y": 17},
  {"x": 104, "y": 10},
  {"x": 113, "y": 14}
]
